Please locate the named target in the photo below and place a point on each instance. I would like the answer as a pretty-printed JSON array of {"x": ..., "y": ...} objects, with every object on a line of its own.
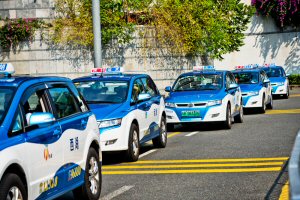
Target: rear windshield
[
  {"x": 103, "y": 91},
  {"x": 199, "y": 82},
  {"x": 246, "y": 77},
  {"x": 6, "y": 95}
]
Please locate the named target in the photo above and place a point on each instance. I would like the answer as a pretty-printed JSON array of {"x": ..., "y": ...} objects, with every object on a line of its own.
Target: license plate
[{"x": 190, "y": 113}]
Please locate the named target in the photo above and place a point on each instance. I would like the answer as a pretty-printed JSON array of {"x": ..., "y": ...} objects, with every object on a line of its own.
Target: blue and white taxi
[
  {"x": 128, "y": 107},
  {"x": 49, "y": 139},
  {"x": 279, "y": 80},
  {"x": 255, "y": 86},
  {"x": 204, "y": 95}
]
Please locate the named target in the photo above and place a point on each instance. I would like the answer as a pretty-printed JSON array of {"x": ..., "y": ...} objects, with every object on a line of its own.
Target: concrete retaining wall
[{"x": 264, "y": 43}]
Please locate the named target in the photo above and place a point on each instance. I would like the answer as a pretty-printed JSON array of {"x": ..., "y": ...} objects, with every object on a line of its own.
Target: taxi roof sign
[
  {"x": 251, "y": 66},
  {"x": 202, "y": 68},
  {"x": 7, "y": 69},
  {"x": 269, "y": 65},
  {"x": 107, "y": 70}
]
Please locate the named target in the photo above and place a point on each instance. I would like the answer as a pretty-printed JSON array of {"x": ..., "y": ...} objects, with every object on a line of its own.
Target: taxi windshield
[
  {"x": 103, "y": 91},
  {"x": 199, "y": 82},
  {"x": 274, "y": 72},
  {"x": 246, "y": 77},
  {"x": 6, "y": 95}
]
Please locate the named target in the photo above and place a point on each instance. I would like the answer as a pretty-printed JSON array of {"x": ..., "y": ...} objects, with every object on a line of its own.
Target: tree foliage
[
  {"x": 202, "y": 27},
  {"x": 285, "y": 12},
  {"x": 196, "y": 27},
  {"x": 73, "y": 24}
]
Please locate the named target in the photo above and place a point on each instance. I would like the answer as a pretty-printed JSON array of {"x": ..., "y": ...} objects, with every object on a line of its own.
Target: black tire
[
  {"x": 92, "y": 176},
  {"x": 170, "y": 127},
  {"x": 133, "y": 151},
  {"x": 9, "y": 184},
  {"x": 161, "y": 140},
  {"x": 262, "y": 109},
  {"x": 228, "y": 121},
  {"x": 240, "y": 117},
  {"x": 270, "y": 104}
]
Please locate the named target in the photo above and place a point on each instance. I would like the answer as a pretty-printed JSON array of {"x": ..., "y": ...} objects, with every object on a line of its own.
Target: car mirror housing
[
  {"x": 233, "y": 85},
  {"x": 144, "y": 97},
  {"x": 168, "y": 89},
  {"x": 41, "y": 118}
]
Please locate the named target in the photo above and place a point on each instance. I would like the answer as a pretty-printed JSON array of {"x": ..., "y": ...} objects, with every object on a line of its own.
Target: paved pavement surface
[{"x": 203, "y": 161}]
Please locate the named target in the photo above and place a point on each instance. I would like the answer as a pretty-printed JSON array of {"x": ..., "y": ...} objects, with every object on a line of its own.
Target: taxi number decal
[
  {"x": 75, "y": 172},
  {"x": 49, "y": 184},
  {"x": 74, "y": 144},
  {"x": 3, "y": 67}
]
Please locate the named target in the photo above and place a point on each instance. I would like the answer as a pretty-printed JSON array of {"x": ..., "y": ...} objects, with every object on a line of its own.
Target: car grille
[{"x": 189, "y": 105}]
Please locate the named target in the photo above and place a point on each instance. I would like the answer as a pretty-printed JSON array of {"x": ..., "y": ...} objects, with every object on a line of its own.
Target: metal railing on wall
[{"x": 294, "y": 170}]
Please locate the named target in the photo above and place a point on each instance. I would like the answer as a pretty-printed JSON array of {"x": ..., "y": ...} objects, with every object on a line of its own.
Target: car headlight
[
  {"x": 169, "y": 104},
  {"x": 109, "y": 123},
  {"x": 253, "y": 93},
  {"x": 281, "y": 83},
  {"x": 214, "y": 102}
]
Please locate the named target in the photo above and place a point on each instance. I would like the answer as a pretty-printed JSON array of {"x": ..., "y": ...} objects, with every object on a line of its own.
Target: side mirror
[
  {"x": 233, "y": 85},
  {"x": 287, "y": 75},
  {"x": 168, "y": 89},
  {"x": 266, "y": 81},
  {"x": 41, "y": 118},
  {"x": 144, "y": 97}
]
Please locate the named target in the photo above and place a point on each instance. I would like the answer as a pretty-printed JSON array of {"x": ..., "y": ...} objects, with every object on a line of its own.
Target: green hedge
[{"x": 294, "y": 79}]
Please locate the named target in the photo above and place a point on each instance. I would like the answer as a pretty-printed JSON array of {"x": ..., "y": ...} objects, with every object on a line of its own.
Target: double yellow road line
[{"x": 237, "y": 165}]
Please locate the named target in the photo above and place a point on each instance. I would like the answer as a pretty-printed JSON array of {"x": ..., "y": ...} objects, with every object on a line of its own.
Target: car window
[
  {"x": 246, "y": 77},
  {"x": 17, "y": 125},
  {"x": 6, "y": 95},
  {"x": 149, "y": 86},
  {"x": 138, "y": 88},
  {"x": 198, "y": 82},
  {"x": 64, "y": 101},
  {"x": 103, "y": 91},
  {"x": 33, "y": 101}
]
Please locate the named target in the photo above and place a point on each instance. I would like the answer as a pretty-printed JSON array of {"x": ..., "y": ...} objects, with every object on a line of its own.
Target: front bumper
[
  {"x": 252, "y": 101},
  {"x": 114, "y": 138},
  {"x": 279, "y": 89},
  {"x": 207, "y": 114}
]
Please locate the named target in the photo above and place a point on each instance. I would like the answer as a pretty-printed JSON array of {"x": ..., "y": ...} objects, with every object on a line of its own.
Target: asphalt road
[{"x": 203, "y": 161}]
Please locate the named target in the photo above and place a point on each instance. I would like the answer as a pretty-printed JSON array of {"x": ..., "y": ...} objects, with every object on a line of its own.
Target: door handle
[
  {"x": 57, "y": 132},
  {"x": 83, "y": 123}
]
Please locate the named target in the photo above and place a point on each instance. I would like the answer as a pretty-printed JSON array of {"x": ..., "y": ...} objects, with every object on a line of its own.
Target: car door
[
  {"x": 234, "y": 93},
  {"x": 154, "y": 102},
  {"x": 266, "y": 85},
  {"x": 72, "y": 116},
  {"x": 141, "y": 108},
  {"x": 43, "y": 152}
]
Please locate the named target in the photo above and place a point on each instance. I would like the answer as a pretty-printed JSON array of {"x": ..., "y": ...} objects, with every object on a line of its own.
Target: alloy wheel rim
[
  {"x": 135, "y": 143},
  {"x": 163, "y": 132},
  {"x": 14, "y": 194},
  {"x": 94, "y": 175}
]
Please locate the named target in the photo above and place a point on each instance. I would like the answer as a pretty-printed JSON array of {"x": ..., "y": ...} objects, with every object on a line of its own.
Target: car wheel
[
  {"x": 270, "y": 105},
  {"x": 91, "y": 189},
  {"x": 12, "y": 187},
  {"x": 133, "y": 151},
  {"x": 263, "y": 107},
  {"x": 170, "y": 127},
  {"x": 161, "y": 140},
  {"x": 228, "y": 122},
  {"x": 240, "y": 117}
]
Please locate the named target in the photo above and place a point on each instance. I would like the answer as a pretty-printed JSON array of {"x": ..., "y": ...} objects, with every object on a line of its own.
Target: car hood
[
  {"x": 107, "y": 111},
  {"x": 277, "y": 79},
  {"x": 250, "y": 87},
  {"x": 195, "y": 96}
]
